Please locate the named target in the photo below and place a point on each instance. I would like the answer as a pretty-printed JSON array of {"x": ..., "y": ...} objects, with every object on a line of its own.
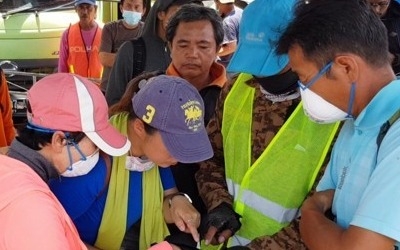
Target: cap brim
[
  {"x": 188, "y": 148},
  {"x": 110, "y": 141},
  {"x": 257, "y": 60},
  {"x": 86, "y": 2}
]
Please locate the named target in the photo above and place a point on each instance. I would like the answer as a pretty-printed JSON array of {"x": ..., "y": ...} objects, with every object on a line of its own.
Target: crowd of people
[{"x": 273, "y": 125}]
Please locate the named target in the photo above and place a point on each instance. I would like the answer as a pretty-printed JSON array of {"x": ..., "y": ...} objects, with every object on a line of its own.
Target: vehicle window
[{"x": 28, "y": 5}]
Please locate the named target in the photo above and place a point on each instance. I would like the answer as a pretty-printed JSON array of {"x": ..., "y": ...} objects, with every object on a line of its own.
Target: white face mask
[
  {"x": 82, "y": 167},
  {"x": 131, "y": 17},
  {"x": 137, "y": 164},
  {"x": 319, "y": 110}
]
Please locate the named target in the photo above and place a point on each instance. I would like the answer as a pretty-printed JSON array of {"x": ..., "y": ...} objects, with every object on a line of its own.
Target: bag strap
[
  {"x": 210, "y": 96},
  {"x": 139, "y": 56},
  {"x": 386, "y": 126}
]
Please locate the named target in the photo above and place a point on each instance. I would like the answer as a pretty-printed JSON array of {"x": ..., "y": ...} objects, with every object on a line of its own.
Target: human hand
[
  {"x": 222, "y": 223},
  {"x": 185, "y": 216},
  {"x": 319, "y": 201}
]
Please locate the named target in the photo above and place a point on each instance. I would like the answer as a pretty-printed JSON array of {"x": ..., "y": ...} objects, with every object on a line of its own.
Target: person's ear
[
  {"x": 138, "y": 128},
  {"x": 161, "y": 15},
  {"x": 169, "y": 44},
  {"x": 58, "y": 141},
  {"x": 347, "y": 66}
]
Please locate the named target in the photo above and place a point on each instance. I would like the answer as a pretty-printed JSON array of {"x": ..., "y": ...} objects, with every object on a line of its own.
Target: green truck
[{"x": 30, "y": 33}]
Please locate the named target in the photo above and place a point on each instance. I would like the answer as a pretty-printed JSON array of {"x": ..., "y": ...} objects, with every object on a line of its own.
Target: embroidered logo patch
[{"x": 193, "y": 115}]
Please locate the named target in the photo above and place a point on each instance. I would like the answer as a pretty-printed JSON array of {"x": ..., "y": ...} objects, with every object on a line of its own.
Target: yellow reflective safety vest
[{"x": 268, "y": 193}]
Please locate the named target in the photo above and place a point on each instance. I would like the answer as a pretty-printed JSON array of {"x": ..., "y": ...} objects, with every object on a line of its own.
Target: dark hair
[
  {"x": 125, "y": 103},
  {"x": 146, "y": 6},
  {"x": 327, "y": 28},
  {"x": 36, "y": 140},
  {"x": 191, "y": 13},
  {"x": 144, "y": 2},
  {"x": 180, "y": 3}
]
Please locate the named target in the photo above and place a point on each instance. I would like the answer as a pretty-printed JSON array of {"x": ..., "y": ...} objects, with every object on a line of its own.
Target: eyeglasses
[
  {"x": 316, "y": 77},
  {"x": 380, "y": 4}
]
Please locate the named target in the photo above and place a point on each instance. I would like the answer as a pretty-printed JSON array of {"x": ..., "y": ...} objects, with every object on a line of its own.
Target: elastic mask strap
[
  {"x": 70, "y": 141},
  {"x": 83, "y": 157},
  {"x": 69, "y": 156},
  {"x": 351, "y": 100}
]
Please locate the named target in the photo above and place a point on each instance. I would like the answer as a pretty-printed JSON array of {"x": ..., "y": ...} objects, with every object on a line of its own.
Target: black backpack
[
  {"x": 386, "y": 126},
  {"x": 139, "y": 56}
]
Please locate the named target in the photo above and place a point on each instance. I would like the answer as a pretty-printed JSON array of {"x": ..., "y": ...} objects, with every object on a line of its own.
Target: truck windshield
[{"x": 7, "y": 6}]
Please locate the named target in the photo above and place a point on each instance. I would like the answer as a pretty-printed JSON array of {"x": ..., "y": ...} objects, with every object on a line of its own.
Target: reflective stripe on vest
[
  {"x": 80, "y": 61},
  {"x": 275, "y": 211},
  {"x": 269, "y": 192},
  {"x": 236, "y": 240}
]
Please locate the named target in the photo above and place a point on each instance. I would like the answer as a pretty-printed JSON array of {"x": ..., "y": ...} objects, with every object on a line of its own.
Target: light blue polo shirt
[{"x": 367, "y": 185}]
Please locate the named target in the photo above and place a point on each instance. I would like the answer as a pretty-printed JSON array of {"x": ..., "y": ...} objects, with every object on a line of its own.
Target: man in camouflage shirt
[{"x": 268, "y": 117}]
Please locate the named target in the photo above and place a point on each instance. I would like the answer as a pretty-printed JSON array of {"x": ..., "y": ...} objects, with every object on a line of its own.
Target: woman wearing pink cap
[{"x": 67, "y": 125}]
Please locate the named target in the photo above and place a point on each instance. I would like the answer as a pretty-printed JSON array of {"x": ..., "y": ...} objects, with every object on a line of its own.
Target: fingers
[
  {"x": 224, "y": 235},
  {"x": 186, "y": 217},
  {"x": 208, "y": 238},
  {"x": 192, "y": 226},
  {"x": 189, "y": 226},
  {"x": 180, "y": 223},
  {"x": 211, "y": 236}
]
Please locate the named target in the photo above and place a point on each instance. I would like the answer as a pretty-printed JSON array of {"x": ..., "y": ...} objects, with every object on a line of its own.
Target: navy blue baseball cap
[
  {"x": 175, "y": 108},
  {"x": 91, "y": 2}
]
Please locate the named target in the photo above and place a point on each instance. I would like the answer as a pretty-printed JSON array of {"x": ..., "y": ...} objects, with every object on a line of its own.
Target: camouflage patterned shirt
[{"x": 268, "y": 117}]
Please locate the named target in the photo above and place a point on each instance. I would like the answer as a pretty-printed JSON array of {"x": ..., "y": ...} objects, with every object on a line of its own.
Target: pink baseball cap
[{"x": 71, "y": 103}]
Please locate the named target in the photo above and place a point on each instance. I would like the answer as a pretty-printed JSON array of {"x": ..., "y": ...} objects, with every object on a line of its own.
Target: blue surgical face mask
[{"x": 131, "y": 17}]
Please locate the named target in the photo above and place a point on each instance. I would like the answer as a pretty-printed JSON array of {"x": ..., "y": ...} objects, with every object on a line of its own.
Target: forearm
[
  {"x": 212, "y": 186},
  {"x": 107, "y": 59},
  {"x": 120, "y": 75},
  {"x": 318, "y": 231},
  {"x": 210, "y": 177}
]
